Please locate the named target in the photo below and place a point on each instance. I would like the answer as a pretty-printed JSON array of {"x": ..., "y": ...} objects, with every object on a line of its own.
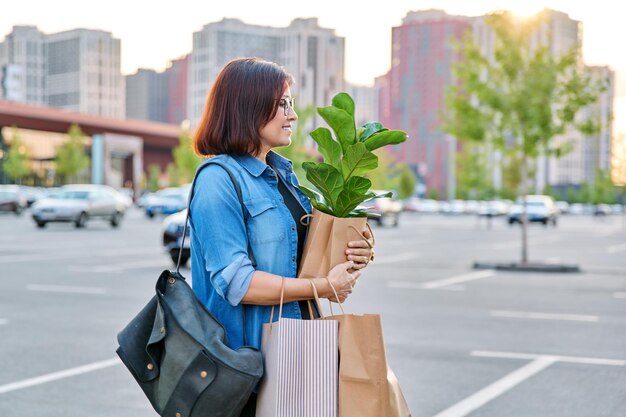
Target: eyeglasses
[{"x": 286, "y": 104}]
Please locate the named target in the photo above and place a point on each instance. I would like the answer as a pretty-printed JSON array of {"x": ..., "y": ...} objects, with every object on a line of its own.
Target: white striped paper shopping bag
[{"x": 301, "y": 369}]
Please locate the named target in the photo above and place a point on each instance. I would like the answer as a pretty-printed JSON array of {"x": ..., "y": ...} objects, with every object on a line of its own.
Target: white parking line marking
[
  {"x": 396, "y": 258},
  {"x": 66, "y": 289},
  {"x": 406, "y": 285},
  {"x": 458, "y": 279},
  {"x": 38, "y": 257},
  {"x": 496, "y": 389},
  {"x": 619, "y": 295},
  {"x": 542, "y": 316},
  {"x": 3, "y": 321},
  {"x": 26, "y": 383},
  {"x": 538, "y": 363},
  {"x": 119, "y": 267},
  {"x": 616, "y": 248},
  {"x": 559, "y": 358}
]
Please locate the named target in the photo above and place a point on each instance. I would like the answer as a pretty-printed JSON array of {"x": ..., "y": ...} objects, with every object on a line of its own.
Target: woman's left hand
[{"x": 361, "y": 252}]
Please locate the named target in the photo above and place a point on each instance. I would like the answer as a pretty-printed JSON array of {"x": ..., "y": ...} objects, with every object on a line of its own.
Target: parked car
[
  {"x": 173, "y": 226},
  {"x": 539, "y": 208},
  {"x": 79, "y": 203},
  {"x": 12, "y": 199},
  {"x": 167, "y": 201},
  {"x": 493, "y": 208},
  {"x": 384, "y": 210}
]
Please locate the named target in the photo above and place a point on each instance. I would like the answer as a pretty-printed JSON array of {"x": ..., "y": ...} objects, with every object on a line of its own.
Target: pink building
[
  {"x": 176, "y": 79},
  {"x": 412, "y": 93}
]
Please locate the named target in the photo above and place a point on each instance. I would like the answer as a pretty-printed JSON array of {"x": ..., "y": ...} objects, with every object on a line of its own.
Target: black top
[{"x": 297, "y": 212}]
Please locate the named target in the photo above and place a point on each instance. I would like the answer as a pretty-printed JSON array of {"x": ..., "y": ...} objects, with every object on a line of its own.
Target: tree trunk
[{"x": 524, "y": 218}]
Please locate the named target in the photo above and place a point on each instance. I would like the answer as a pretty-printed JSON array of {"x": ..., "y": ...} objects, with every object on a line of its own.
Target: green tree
[
  {"x": 16, "y": 164},
  {"x": 185, "y": 159},
  {"x": 473, "y": 175},
  {"x": 392, "y": 175},
  {"x": 154, "y": 173},
  {"x": 520, "y": 98},
  {"x": 71, "y": 157},
  {"x": 603, "y": 190}
]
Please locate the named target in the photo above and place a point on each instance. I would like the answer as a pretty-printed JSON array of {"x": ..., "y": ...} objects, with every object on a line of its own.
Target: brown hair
[{"x": 244, "y": 98}]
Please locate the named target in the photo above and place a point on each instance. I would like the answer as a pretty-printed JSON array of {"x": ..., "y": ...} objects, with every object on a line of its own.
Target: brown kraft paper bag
[
  {"x": 367, "y": 386},
  {"x": 326, "y": 242}
]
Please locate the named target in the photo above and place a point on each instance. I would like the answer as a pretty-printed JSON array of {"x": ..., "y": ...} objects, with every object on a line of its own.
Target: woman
[{"x": 249, "y": 111}]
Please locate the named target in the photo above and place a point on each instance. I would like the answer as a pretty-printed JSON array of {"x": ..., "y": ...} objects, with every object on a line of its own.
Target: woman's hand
[
  {"x": 342, "y": 281},
  {"x": 361, "y": 252}
]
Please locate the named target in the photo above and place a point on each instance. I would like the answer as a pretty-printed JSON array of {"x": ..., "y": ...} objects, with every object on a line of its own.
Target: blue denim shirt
[{"x": 220, "y": 267}]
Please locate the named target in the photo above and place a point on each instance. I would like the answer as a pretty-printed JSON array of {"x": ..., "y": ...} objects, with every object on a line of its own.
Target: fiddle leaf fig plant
[{"x": 339, "y": 185}]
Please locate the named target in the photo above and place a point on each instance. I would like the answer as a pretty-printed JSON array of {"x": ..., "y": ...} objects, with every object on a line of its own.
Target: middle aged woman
[{"x": 249, "y": 111}]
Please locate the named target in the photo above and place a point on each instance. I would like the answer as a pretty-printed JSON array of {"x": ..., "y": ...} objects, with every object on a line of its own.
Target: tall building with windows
[
  {"x": 412, "y": 93},
  {"x": 219, "y": 42},
  {"x": 313, "y": 55},
  {"x": 84, "y": 72},
  {"x": 176, "y": 76},
  {"x": 146, "y": 95},
  {"x": 23, "y": 66}
]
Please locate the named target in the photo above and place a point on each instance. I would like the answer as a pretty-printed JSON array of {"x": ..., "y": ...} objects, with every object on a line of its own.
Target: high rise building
[
  {"x": 146, "y": 95},
  {"x": 23, "y": 66},
  {"x": 84, "y": 72},
  {"x": 176, "y": 85},
  {"x": 412, "y": 93},
  {"x": 313, "y": 55},
  {"x": 590, "y": 154}
]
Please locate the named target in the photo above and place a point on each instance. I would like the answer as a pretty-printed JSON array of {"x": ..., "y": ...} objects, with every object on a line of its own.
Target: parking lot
[{"x": 462, "y": 342}]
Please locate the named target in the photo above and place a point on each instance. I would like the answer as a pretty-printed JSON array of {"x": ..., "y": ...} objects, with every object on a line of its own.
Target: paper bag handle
[
  {"x": 280, "y": 309},
  {"x": 317, "y": 300},
  {"x": 371, "y": 245},
  {"x": 332, "y": 287}
]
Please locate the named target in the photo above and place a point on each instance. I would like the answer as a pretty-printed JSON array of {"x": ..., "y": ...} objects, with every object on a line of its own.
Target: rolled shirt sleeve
[{"x": 219, "y": 236}]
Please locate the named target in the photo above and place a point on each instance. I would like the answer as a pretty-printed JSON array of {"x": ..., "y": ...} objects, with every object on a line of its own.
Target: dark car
[
  {"x": 12, "y": 199},
  {"x": 173, "y": 226}
]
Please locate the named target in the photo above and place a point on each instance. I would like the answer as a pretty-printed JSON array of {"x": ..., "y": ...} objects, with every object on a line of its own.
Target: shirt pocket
[{"x": 265, "y": 223}]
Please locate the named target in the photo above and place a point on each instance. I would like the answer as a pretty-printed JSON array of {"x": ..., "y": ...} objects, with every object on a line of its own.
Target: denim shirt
[{"x": 220, "y": 267}]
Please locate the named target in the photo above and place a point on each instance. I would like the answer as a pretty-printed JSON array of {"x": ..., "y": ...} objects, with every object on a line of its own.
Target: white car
[
  {"x": 539, "y": 208},
  {"x": 79, "y": 203}
]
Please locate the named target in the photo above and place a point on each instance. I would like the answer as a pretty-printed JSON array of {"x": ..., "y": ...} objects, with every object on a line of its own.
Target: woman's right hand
[{"x": 342, "y": 280}]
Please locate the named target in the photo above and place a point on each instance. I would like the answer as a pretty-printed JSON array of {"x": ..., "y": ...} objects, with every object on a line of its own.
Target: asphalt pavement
[{"x": 462, "y": 342}]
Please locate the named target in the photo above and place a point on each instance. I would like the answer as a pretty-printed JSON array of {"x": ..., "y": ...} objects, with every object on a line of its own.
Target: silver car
[{"x": 78, "y": 204}]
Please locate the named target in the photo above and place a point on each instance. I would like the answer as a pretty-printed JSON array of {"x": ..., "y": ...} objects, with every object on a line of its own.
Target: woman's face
[{"x": 277, "y": 132}]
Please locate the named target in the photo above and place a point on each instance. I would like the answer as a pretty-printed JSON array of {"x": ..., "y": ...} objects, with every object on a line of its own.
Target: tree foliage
[
  {"x": 185, "y": 160},
  {"x": 71, "y": 157},
  {"x": 17, "y": 164},
  {"x": 520, "y": 98}
]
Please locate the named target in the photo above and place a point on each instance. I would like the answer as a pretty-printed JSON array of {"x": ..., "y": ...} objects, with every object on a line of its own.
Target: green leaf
[
  {"x": 357, "y": 160},
  {"x": 388, "y": 137},
  {"x": 328, "y": 147},
  {"x": 354, "y": 193},
  {"x": 342, "y": 124},
  {"x": 326, "y": 178},
  {"x": 317, "y": 200},
  {"x": 358, "y": 213},
  {"x": 371, "y": 128},
  {"x": 344, "y": 102}
]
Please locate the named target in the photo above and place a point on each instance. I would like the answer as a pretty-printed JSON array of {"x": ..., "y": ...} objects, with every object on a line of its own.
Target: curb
[{"x": 527, "y": 267}]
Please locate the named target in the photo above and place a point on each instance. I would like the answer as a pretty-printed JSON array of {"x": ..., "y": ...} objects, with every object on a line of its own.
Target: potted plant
[{"x": 338, "y": 183}]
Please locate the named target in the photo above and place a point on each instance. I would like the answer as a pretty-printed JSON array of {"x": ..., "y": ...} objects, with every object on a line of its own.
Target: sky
[{"x": 156, "y": 31}]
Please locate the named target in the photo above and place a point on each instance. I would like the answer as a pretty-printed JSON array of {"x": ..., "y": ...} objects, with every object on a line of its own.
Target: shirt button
[
  {"x": 293, "y": 258},
  {"x": 293, "y": 227}
]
